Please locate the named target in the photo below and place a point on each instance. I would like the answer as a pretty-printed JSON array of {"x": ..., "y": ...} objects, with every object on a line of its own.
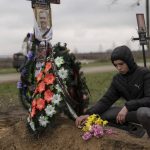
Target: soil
[{"x": 14, "y": 135}]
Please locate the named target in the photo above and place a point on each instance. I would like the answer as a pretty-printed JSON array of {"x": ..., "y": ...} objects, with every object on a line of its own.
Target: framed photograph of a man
[
  {"x": 44, "y": 20},
  {"x": 43, "y": 23}
]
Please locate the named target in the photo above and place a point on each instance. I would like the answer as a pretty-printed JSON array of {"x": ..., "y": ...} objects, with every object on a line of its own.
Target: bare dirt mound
[{"x": 65, "y": 136}]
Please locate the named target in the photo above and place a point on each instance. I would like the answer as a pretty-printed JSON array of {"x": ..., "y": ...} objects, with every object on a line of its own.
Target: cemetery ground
[{"x": 64, "y": 136}]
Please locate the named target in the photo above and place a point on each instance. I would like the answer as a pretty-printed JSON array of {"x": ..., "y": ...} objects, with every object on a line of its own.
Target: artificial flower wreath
[
  {"x": 46, "y": 98},
  {"x": 47, "y": 95}
]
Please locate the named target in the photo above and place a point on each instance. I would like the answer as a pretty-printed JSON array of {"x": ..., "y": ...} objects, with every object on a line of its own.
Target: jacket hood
[{"x": 125, "y": 54}]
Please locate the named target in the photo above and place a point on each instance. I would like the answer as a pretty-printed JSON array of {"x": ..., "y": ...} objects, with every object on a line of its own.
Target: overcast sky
[{"x": 85, "y": 25}]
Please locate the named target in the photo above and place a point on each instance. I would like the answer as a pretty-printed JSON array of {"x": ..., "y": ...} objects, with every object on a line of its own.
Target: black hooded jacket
[{"x": 134, "y": 86}]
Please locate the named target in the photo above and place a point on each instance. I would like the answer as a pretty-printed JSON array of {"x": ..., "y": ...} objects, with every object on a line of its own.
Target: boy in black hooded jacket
[{"x": 131, "y": 83}]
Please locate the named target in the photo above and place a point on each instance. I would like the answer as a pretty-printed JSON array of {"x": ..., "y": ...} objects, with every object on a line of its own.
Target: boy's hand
[
  {"x": 81, "y": 120},
  {"x": 122, "y": 115}
]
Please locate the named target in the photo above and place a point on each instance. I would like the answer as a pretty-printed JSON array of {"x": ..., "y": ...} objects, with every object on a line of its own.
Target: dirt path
[
  {"x": 15, "y": 76},
  {"x": 98, "y": 69},
  {"x": 9, "y": 77},
  {"x": 94, "y": 69}
]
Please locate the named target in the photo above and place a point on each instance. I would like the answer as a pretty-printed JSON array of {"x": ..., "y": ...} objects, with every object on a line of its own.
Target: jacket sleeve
[
  {"x": 142, "y": 102},
  {"x": 106, "y": 101}
]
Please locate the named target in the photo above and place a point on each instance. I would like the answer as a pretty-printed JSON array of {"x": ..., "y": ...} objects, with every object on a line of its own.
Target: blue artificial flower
[
  {"x": 30, "y": 55},
  {"x": 19, "y": 84},
  {"x": 23, "y": 72}
]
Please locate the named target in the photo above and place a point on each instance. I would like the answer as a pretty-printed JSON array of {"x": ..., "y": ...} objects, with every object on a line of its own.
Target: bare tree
[
  {"x": 113, "y": 2},
  {"x": 133, "y": 4}
]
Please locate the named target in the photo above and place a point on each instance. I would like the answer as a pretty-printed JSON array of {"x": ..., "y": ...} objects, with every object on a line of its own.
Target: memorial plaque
[{"x": 55, "y": 1}]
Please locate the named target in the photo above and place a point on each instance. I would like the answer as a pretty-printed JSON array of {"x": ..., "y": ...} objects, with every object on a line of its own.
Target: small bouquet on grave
[{"x": 95, "y": 127}]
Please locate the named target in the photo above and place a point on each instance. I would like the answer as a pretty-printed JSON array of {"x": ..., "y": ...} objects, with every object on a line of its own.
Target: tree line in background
[{"x": 97, "y": 56}]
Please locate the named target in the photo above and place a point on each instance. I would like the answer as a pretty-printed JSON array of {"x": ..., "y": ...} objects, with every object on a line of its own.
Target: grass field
[
  {"x": 98, "y": 84},
  {"x": 8, "y": 96},
  {"x": 7, "y": 70},
  {"x": 96, "y": 63}
]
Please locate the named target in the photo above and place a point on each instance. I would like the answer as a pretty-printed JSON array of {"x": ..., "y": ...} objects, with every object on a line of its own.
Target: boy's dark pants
[{"x": 141, "y": 116}]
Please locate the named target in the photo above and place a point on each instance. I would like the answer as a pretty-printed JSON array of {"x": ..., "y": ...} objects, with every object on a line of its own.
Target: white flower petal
[
  {"x": 50, "y": 110},
  {"x": 59, "y": 61},
  {"x": 32, "y": 125},
  {"x": 58, "y": 88},
  {"x": 43, "y": 121},
  {"x": 28, "y": 119},
  {"x": 56, "y": 99},
  {"x": 63, "y": 73}
]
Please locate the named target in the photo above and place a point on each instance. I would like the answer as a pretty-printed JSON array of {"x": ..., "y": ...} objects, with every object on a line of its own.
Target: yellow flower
[
  {"x": 90, "y": 121},
  {"x": 87, "y": 124},
  {"x": 105, "y": 122},
  {"x": 94, "y": 115},
  {"x": 93, "y": 119},
  {"x": 99, "y": 121},
  {"x": 86, "y": 128}
]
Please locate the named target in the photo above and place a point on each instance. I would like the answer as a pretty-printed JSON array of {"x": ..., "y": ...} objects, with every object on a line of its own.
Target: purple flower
[
  {"x": 86, "y": 136},
  {"x": 23, "y": 72},
  {"x": 30, "y": 55},
  {"x": 97, "y": 131},
  {"x": 19, "y": 84}
]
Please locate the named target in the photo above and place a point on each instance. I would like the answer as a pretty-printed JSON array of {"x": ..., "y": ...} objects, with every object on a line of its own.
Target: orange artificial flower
[
  {"x": 39, "y": 76},
  {"x": 48, "y": 95},
  {"x": 36, "y": 90},
  {"x": 34, "y": 103},
  {"x": 49, "y": 79},
  {"x": 33, "y": 111},
  {"x": 41, "y": 87},
  {"x": 40, "y": 104},
  {"x": 48, "y": 66}
]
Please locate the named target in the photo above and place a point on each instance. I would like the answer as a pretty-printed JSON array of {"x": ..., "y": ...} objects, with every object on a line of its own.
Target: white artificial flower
[
  {"x": 48, "y": 58},
  {"x": 29, "y": 109},
  {"x": 58, "y": 88},
  {"x": 43, "y": 121},
  {"x": 32, "y": 125},
  {"x": 59, "y": 61},
  {"x": 63, "y": 73},
  {"x": 28, "y": 119},
  {"x": 50, "y": 110},
  {"x": 56, "y": 99}
]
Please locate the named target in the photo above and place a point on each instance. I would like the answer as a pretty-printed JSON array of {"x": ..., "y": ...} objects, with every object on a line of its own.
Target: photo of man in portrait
[{"x": 44, "y": 21}]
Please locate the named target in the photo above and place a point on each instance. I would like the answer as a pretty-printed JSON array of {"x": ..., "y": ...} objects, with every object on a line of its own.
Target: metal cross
[
  {"x": 143, "y": 38},
  {"x": 43, "y": 2}
]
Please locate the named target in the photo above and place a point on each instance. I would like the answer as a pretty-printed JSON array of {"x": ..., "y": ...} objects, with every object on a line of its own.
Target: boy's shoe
[{"x": 136, "y": 130}]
